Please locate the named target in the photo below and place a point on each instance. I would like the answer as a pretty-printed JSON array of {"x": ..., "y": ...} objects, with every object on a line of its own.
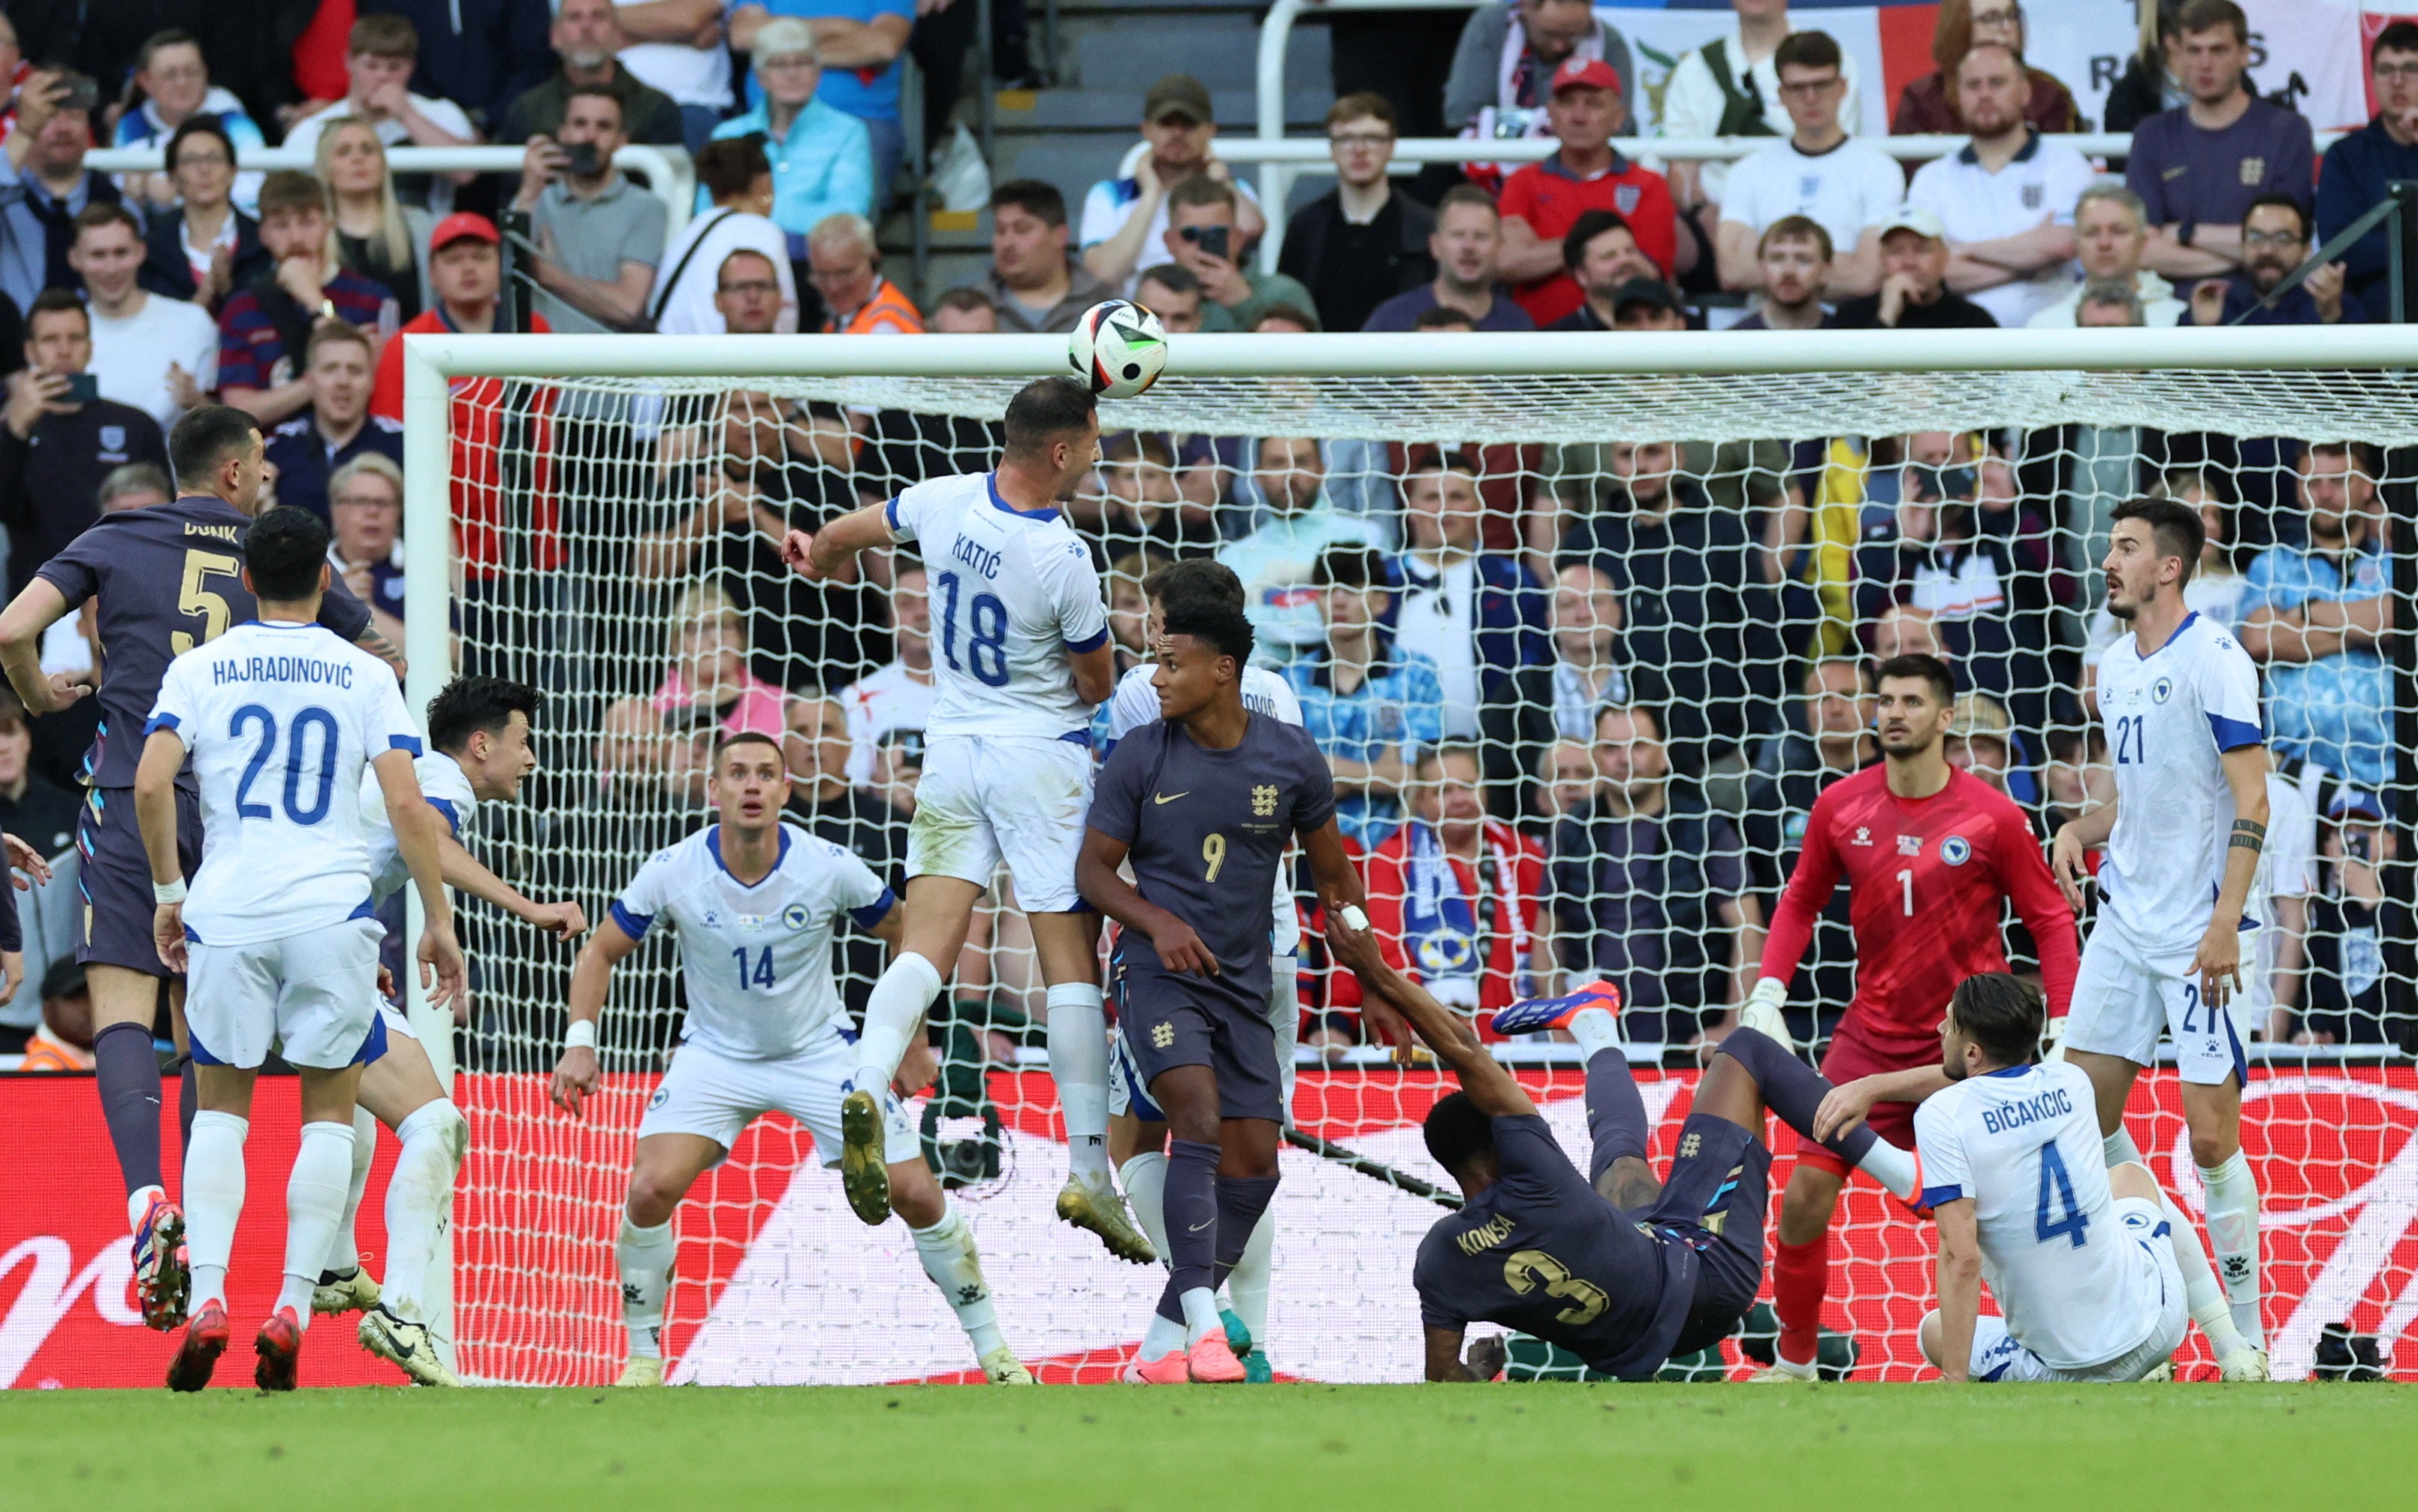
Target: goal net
[{"x": 1621, "y": 640}]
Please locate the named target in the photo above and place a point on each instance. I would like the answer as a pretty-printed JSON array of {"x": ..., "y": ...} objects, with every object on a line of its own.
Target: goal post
[{"x": 587, "y": 455}]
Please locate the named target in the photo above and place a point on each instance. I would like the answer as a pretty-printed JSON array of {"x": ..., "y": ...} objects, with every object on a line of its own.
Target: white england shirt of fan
[
  {"x": 756, "y": 960},
  {"x": 446, "y": 789},
  {"x": 2023, "y": 1143},
  {"x": 1135, "y": 703},
  {"x": 281, "y": 721},
  {"x": 1013, "y": 592},
  {"x": 2168, "y": 716}
]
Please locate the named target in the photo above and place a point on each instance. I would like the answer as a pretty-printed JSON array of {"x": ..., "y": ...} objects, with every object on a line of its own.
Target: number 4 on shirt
[{"x": 2057, "y": 1193}]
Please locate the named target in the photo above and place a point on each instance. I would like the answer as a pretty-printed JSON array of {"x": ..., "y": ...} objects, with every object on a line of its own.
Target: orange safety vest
[{"x": 887, "y": 307}]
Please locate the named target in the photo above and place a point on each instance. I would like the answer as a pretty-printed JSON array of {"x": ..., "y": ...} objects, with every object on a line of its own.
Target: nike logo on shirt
[{"x": 1170, "y": 798}]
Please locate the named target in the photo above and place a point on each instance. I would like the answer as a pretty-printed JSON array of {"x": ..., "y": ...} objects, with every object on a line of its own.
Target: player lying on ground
[
  {"x": 1617, "y": 1268},
  {"x": 281, "y": 717},
  {"x": 2093, "y": 1269},
  {"x": 480, "y": 728},
  {"x": 164, "y": 579},
  {"x": 755, "y": 902},
  {"x": 1024, "y": 658},
  {"x": 1932, "y": 856},
  {"x": 2180, "y": 698},
  {"x": 1203, "y": 803},
  {"x": 1137, "y": 1126}
]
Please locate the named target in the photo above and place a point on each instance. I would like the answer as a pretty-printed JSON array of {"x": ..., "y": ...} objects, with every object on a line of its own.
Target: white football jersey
[
  {"x": 446, "y": 787},
  {"x": 281, "y": 721},
  {"x": 1135, "y": 703},
  {"x": 756, "y": 960},
  {"x": 2023, "y": 1143},
  {"x": 2168, "y": 716},
  {"x": 1013, "y": 591}
]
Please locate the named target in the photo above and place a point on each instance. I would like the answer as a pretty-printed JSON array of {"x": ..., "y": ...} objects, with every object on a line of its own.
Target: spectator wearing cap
[
  {"x": 678, "y": 47},
  {"x": 1730, "y": 86},
  {"x": 466, "y": 269},
  {"x": 43, "y": 187},
  {"x": 1361, "y": 243},
  {"x": 172, "y": 80},
  {"x": 599, "y": 236},
  {"x": 205, "y": 248},
  {"x": 1914, "y": 293},
  {"x": 1032, "y": 282},
  {"x": 154, "y": 353},
  {"x": 861, "y": 45},
  {"x": 1124, "y": 219},
  {"x": 264, "y": 326},
  {"x": 1542, "y": 200},
  {"x": 2358, "y": 171},
  {"x": 64, "y": 1040},
  {"x": 1818, "y": 171},
  {"x": 308, "y": 449},
  {"x": 2275, "y": 241},
  {"x": 586, "y": 37},
  {"x": 735, "y": 172},
  {"x": 1369, "y": 703},
  {"x": 54, "y": 450},
  {"x": 365, "y": 535},
  {"x": 1648, "y": 304},
  {"x": 1205, "y": 236},
  {"x": 2110, "y": 231},
  {"x": 1793, "y": 255},
  {"x": 2007, "y": 199},
  {"x": 380, "y": 55},
  {"x": 1509, "y": 52},
  {"x": 2198, "y": 166},
  {"x": 1468, "y": 245},
  {"x": 845, "y": 262},
  {"x": 1929, "y": 104},
  {"x": 1601, "y": 255},
  {"x": 822, "y": 158}
]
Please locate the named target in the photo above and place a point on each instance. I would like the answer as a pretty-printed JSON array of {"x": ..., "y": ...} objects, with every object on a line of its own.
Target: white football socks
[
  {"x": 213, "y": 1184},
  {"x": 1145, "y": 1183},
  {"x": 419, "y": 1199},
  {"x": 1595, "y": 1030},
  {"x": 645, "y": 1257},
  {"x": 1891, "y": 1167},
  {"x": 314, "y": 1204},
  {"x": 1284, "y": 1019},
  {"x": 947, "y": 1250},
  {"x": 1201, "y": 1315},
  {"x": 893, "y": 1013},
  {"x": 1246, "y": 1285},
  {"x": 2201, "y": 1293},
  {"x": 2233, "y": 1233},
  {"x": 1165, "y": 1337},
  {"x": 1078, "y": 1062},
  {"x": 345, "y": 1251}
]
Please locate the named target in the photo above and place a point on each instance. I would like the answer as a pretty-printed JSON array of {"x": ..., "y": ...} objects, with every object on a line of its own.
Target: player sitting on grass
[
  {"x": 2083, "y": 1259},
  {"x": 1617, "y": 1268},
  {"x": 281, "y": 717},
  {"x": 1203, "y": 802},
  {"x": 1137, "y": 1126},
  {"x": 479, "y": 729},
  {"x": 755, "y": 902}
]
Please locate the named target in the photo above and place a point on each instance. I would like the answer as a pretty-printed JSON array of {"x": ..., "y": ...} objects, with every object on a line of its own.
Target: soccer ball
[{"x": 1118, "y": 348}]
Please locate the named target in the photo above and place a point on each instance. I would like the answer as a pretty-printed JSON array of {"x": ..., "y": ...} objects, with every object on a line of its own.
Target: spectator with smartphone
[
  {"x": 43, "y": 184},
  {"x": 1203, "y": 236},
  {"x": 599, "y": 236},
  {"x": 59, "y": 438}
]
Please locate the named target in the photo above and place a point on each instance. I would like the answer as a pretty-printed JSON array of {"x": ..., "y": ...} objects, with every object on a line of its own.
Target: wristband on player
[
  {"x": 582, "y": 1036},
  {"x": 1770, "y": 989},
  {"x": 167, "y": 895}
]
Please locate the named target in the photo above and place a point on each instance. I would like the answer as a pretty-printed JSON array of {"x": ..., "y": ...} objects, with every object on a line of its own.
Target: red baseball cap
[
  {"x": 462, "y": 223},
  {"x": 1586, "y": 73}
]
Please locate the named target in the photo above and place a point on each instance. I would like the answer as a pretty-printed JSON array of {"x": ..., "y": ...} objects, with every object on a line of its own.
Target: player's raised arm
[
  {"x": 30, "y": 613},
  {"x": 1482, "y": 1077},
  {"x": 1340, "y": 886},
  {"x": 1096, "y": 876},
  {"x": 575, "y": 1073},
  {"x": 1801, "y": 902},
  {"x": 1960, "y": 1284},
  {"x": 416, "y": 827},
  {"x": 565, "y": 921},
  {"x": 154, "y": 814},
  {"x": 826, "y": 552}
]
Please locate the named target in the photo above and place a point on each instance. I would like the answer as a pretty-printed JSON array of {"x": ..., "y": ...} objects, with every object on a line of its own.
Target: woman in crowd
[
  {"x": 203, "y": 249},
  {"x": 708, "y": 683},
  {"x": 822, "y": 158},
  {"x": 377, "y": 236}
]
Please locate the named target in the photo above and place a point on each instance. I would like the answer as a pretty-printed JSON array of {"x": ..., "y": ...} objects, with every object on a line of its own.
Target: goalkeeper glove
[
  {"x": 2054, "y": 1034},
  {"x": 1761, "y": 1011}
]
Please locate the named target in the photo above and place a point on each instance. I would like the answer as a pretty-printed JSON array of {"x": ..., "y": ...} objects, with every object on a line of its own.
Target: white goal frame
[{"x": 431, "y": 361}]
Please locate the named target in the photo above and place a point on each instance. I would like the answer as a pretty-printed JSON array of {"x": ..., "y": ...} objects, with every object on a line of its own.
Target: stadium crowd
[{"x": 1578, "y": 698}]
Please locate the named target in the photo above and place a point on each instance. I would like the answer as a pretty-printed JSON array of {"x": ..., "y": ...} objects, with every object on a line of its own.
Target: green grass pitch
[{"x": 1515, "y": 1449}]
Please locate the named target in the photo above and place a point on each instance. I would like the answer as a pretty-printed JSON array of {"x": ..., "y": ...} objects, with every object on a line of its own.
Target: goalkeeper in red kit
[{"x": 1931, "y": 856}]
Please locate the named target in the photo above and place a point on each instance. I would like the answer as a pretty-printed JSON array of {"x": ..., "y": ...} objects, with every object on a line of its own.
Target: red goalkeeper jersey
[{"x": 1928, "y": 880}]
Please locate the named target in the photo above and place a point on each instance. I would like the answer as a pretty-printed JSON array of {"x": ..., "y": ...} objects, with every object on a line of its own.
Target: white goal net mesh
[{"x": 1714, "y": 560}]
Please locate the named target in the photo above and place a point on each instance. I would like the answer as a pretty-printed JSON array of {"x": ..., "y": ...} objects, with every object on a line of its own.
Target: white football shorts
[
  {"x": 2125, "y": 996},
  {"x": 987, "y": 799},
  {"x": 715, "y": 1095},
  {"x": 313, "y": 996},
  {"x": 1997, "y": 1355}
]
